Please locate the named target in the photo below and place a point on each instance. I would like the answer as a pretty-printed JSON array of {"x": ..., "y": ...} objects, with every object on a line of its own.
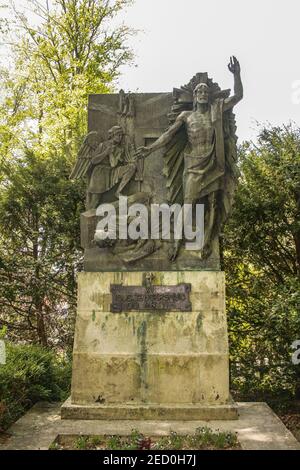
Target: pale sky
[{"x": 181, "y": 38}]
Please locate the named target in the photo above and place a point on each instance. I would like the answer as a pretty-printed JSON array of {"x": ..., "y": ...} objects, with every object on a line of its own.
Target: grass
[{"x": 202, "y": 438}]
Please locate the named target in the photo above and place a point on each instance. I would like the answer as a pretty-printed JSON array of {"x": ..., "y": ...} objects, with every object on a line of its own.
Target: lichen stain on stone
[
  {"x": 93, "y": 315},
  {"x": 199, "y": 322},
  {"x": 116, "y": 364},
  {"x": 215, "y": 315},
  {"x": 180, "y": 277},
  {"x": 127, "y": 319},
  {"x": 82, "y": 327},
  {"x": 157, "y": 279},
  {"x": 133, "y": 325},
  {"x": 215, "y": 293},
  {"x": 142, "y": 338},
  {"x": 95, "y": 342},
  {"x": 172, "y": 363},
  {"x": 141, "y": 335},
  {"x": 97, "y": 298},
  {"x": 158, "y": 317},
  {"x": 179, "y": 318},
  {"x": 210, "y": 362},
  {"x": 118, "y": 277}
]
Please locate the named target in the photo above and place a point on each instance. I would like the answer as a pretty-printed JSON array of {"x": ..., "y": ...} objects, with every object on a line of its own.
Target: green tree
[
  {"x": 262, "y": 263},
  {"x": 39, "y": 250},
  {"x": 65, "y": 51}
]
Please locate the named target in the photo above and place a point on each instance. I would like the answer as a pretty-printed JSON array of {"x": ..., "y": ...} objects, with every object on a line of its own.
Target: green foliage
[
  {"x": 262, "y": 264},
  {"x": 268, "y": 204},
  {"x": 202, "y": 438},
  {"x": 39, "y": 251},
  {"x": 31, "y": 374},
  {"x": 114, "y": 443},
  {"x": 82, "y": 443},
  {"x": 173, "y": 441},
  {"x": 54, "y": 446},
  {"x": 61, "y": 52},
  {"x": 95, "y": 441}
]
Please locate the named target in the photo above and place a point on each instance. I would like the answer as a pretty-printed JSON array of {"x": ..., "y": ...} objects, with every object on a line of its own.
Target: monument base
[
  {"x": 182, "y": 412},
  {"x": 151, "y": 363}
]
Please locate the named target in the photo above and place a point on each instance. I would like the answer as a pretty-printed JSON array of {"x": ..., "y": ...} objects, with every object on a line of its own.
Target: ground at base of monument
[
  {"x": 202, "y": 439},
  {"x": 258, "y": 428}
]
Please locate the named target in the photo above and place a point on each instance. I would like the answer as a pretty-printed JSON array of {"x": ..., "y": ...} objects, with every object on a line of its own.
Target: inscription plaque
[{"x": 145, "y": 298}]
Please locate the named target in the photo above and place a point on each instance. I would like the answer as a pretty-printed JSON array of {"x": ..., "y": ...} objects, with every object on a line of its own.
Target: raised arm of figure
[{"x": 235, "y": 68}]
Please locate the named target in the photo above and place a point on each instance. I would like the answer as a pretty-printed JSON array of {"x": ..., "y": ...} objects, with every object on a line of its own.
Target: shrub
[{"x": 31, "y": 373}]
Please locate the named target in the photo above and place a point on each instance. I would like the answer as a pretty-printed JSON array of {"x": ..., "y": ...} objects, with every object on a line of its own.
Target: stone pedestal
[{"x": 151, "y": 364}]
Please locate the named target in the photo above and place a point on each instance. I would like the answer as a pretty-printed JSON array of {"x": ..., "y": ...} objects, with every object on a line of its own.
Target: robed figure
[{"x": 200, "y": 150}]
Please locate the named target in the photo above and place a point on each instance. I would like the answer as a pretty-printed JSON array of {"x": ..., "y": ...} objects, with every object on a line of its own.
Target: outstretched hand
[
  {"x": 143, "y": 152},
  {"x": 234, "y": 65}
]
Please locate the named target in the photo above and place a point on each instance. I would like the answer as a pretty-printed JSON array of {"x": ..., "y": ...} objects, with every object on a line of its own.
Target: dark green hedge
[{"x": 31, "y": 373}]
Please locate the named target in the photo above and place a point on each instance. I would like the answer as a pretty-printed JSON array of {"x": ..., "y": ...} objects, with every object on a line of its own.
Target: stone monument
[{"x": 151, "y": 332}]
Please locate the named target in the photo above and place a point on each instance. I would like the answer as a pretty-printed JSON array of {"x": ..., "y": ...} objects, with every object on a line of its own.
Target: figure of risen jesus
[{"x": 204, "y": 156}]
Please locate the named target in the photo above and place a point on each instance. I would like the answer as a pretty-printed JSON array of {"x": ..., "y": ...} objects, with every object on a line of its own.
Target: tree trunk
[
  {"x": 37, "y": 296},
  {"x": 41, "y": 330}
]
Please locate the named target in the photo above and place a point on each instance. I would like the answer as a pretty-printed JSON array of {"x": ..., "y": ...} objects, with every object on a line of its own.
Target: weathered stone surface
[
  {"x": 149, "y": 412},
  {"x": 166, "y": 148},
  {"x": 102, "y": 259},
  {"x": 258, "y": 428},
  {"x": 157, "y": 358}
]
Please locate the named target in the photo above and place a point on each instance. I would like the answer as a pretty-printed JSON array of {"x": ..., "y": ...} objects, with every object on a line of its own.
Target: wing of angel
[
  {"x": 83, "y": 163},
  {"x": 174, "y": 166}
]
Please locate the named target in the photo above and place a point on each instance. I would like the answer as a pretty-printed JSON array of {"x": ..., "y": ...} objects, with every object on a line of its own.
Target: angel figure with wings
[
  {"x": 200, "y": 151},
  {"x": 105, "y": 164}
]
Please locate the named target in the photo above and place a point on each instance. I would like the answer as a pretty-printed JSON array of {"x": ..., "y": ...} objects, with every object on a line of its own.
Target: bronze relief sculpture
[
  {"x": 200, "y": 156},
  {"x": 195, "y": 154}
]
